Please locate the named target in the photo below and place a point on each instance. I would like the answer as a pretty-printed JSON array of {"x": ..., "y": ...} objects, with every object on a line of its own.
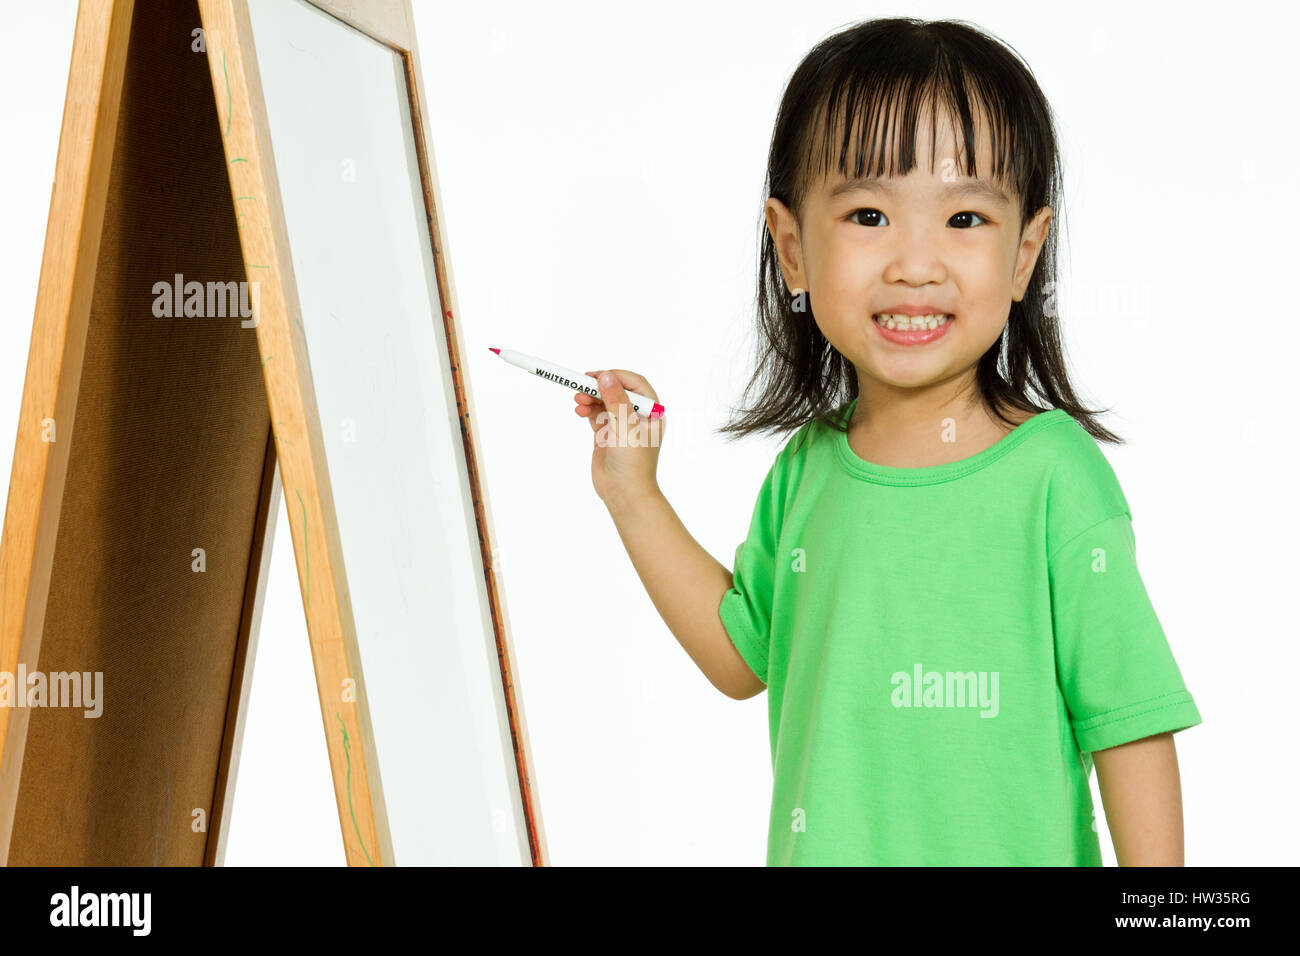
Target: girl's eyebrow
[{"x": 981, "y": 188}]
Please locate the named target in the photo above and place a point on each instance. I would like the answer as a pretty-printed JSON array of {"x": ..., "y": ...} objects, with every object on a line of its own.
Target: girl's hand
[{"x": 626, "y": 444}]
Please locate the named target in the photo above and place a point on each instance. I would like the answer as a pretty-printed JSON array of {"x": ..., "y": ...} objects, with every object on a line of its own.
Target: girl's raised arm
[{"x": 685, "y": 582}]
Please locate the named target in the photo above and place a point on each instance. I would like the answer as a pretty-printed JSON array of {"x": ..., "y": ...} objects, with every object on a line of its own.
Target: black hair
[{"x": 868, "y": 71}]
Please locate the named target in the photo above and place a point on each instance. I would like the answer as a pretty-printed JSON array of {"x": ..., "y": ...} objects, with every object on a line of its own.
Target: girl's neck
[{"x": 924, "y": 430}]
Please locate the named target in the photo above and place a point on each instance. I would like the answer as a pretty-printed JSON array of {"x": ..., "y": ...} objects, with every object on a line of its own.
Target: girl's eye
[
  {"x": 972, "y": 225},
  {"x": 853, "y": 216}
]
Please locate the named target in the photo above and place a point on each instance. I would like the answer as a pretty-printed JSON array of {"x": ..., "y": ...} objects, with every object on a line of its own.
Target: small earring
[{"x": 798, "y": 300}]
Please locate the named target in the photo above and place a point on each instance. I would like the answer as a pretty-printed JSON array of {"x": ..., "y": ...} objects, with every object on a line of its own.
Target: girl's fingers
[
  {"x": 632, "y": 382},
  {"x": 613, "y": 394},
  {"x": 590, "y": 406}
]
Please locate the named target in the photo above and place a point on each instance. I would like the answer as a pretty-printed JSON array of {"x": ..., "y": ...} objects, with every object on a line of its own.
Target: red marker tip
[{"x": 491, "y": 349}]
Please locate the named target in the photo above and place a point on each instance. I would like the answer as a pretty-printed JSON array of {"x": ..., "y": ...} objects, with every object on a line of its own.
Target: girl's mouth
[{"x": 912, "y": 329}]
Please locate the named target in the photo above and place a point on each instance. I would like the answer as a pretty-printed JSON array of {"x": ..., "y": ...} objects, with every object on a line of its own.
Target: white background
[{"x": 601, "y": 168}]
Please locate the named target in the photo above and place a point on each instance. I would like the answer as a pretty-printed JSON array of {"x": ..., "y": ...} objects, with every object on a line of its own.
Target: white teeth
[{"x": 909, "y": 323}]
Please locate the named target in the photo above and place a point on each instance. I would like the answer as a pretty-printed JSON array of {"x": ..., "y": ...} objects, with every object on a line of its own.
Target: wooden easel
[{"x": 149, "y": 446}]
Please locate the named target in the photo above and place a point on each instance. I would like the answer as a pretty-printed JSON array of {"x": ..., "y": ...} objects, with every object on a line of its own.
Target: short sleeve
[
  {"x": 1114, "y": 665},
  {"x": 746, "y": 609}
]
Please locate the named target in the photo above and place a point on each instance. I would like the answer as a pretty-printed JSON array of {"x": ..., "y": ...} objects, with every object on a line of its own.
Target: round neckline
[{"x": 933, "y": 474}]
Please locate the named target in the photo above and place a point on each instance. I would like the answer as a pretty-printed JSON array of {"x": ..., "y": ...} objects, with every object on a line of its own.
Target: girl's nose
[{"x": 914, "y": 259}]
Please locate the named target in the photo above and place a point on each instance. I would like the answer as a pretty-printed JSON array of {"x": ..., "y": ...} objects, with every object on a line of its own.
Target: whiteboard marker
[{"x": 573, "y": 380}]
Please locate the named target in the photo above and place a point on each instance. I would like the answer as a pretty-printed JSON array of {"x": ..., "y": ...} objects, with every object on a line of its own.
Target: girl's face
[{"x": 943, "y": 241}]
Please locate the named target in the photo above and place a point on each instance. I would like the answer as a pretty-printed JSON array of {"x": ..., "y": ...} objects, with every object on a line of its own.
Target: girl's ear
[
  {"x": 784, "y": 230},
  {"x": 1032, "y": 238}
]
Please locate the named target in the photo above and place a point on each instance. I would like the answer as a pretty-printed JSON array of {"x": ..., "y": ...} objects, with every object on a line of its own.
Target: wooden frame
[
  {"x": 63, "y": 300},
  {"x": 75, "y": 282}
]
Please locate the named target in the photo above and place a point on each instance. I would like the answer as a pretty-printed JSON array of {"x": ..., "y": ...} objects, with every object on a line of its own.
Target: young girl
[{"x": 939, "y": 587}]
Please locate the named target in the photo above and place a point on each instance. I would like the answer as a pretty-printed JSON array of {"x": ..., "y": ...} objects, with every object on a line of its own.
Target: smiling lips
[{"x": 912, "y": 325}]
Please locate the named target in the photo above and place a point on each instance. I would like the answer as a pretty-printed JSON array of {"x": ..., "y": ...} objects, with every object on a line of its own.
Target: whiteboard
[{"x": 345, "y": 156}]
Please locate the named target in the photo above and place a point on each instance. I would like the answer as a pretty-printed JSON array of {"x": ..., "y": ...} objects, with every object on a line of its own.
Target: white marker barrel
[{"x": 575, "y": 381}]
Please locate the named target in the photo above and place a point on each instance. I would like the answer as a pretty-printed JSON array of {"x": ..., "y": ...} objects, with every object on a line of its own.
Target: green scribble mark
[
  {"x": 238, "y": 159},
  {"x": 240, "y": 215},
  {"x": 267, "y": 359},
  {"x": 351, "y": 810},
  {"x": 258, "y": 267},
  {"x": 229, "y": 112},
  {"x": 306, "y": 553}
]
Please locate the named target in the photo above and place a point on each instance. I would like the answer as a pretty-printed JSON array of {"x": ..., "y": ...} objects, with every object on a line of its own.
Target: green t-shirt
[{"x": 943, "y": 647}]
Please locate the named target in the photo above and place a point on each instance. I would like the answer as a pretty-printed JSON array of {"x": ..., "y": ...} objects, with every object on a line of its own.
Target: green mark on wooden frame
[
  {"x": 351, "y": 810},
  {"x": 227, "y": 76}
]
